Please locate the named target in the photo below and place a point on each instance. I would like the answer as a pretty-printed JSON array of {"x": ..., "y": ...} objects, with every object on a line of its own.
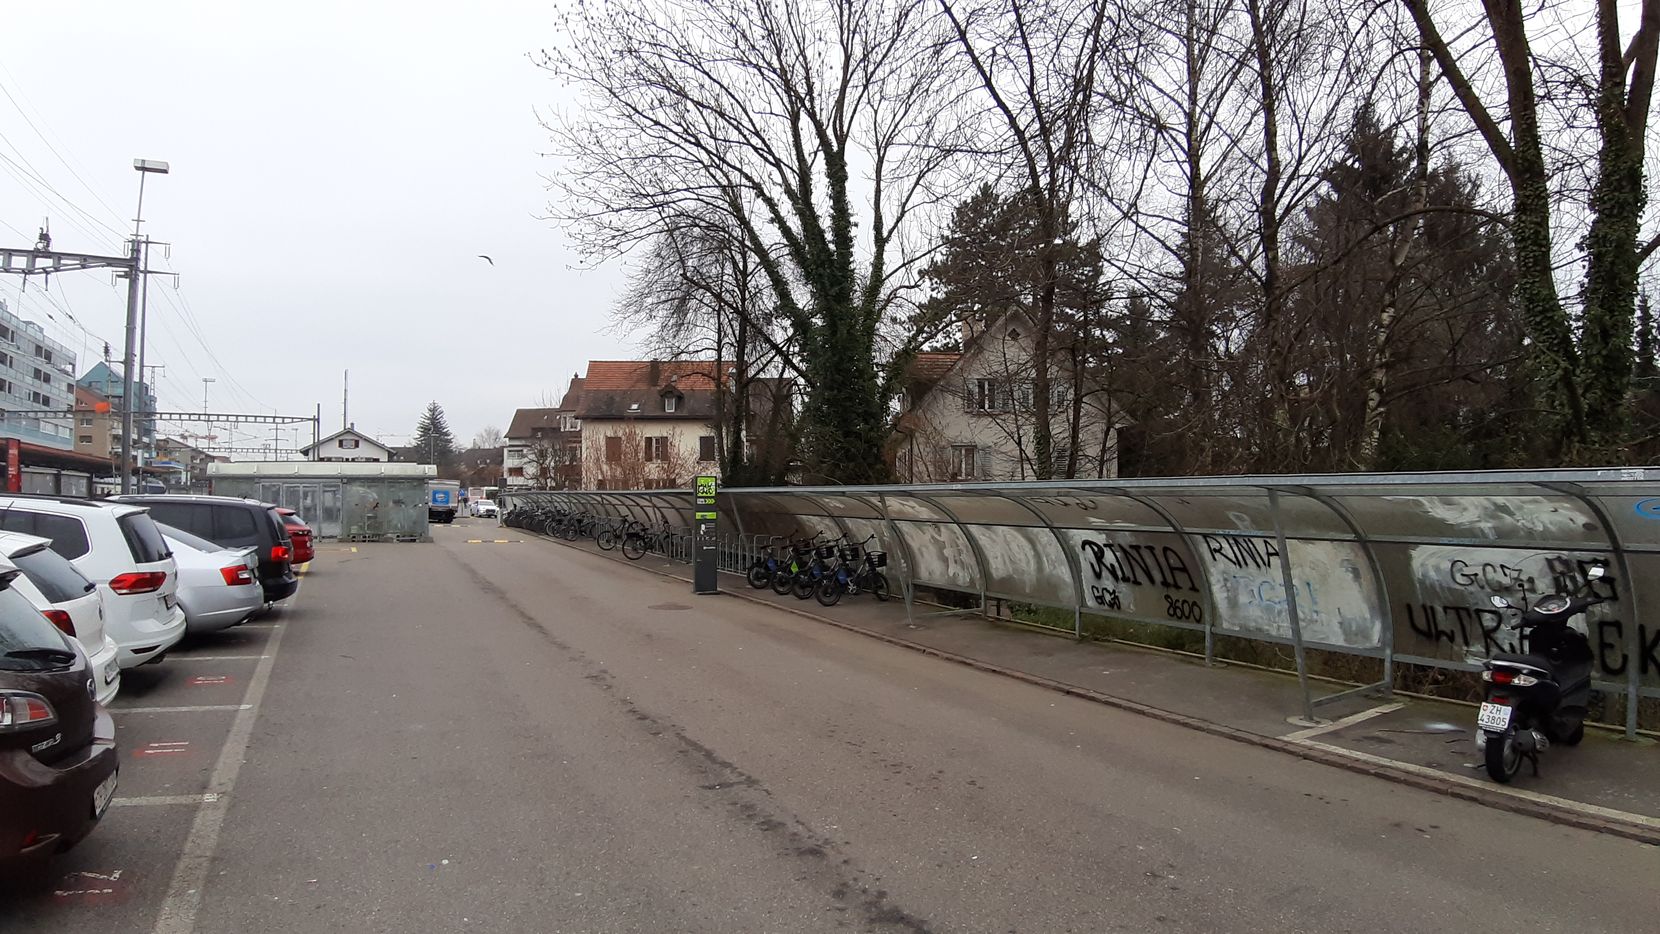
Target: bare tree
[
  {"x": 1590, "y": 374},
  {"x": 764, "y": 110},
  {"x": 488, "y": 437}
]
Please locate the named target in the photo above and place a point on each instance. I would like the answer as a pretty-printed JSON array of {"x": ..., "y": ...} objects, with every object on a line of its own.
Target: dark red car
[
  {"x": 299, "y": 532},
  {"x": 57, "y": 745}
]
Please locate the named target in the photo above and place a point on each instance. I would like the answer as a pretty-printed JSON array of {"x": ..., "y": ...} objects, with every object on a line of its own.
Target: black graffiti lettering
[
  {"x": 1429, "y": 626},
  {"x": 1173, "y": 561},
  {"x": 1491, "y": 622},
  {"x": 1461, "y": 573},
  {"x": 1610, "y": 653},
  {"x": 1135, "y": 560},
  {"x": 1462, "y": 615},
  {"x": 1105, "y": 597},
  {"x": 1242, "y": 551},
  {"x": 1650, "y": 649},
  {"x": 1097, "y": 557}
]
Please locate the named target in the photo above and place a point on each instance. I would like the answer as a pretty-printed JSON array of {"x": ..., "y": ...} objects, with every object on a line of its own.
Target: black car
[
  {"x": 57, "y": 746},
  {"x": 233, "y": 523}
]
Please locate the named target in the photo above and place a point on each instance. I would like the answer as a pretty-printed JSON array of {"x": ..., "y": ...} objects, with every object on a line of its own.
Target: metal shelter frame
[{"x": 1254, "y": 557}]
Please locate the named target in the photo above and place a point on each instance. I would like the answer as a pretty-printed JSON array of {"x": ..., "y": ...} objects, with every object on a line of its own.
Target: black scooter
[{"x": 1538, "y": 698}]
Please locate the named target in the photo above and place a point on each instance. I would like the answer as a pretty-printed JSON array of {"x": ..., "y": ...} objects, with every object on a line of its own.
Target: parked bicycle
[{"x": 856, "y": 571}]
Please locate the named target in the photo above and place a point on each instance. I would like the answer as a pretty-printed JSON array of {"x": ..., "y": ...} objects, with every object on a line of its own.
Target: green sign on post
[{"x": 706, "y": 540}]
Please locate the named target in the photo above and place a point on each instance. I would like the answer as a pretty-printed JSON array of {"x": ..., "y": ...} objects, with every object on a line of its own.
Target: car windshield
[
  {"x": 24, "y": 630},
  {"x": 181, "y": 537},
  {"x": 57, "y": 578}
]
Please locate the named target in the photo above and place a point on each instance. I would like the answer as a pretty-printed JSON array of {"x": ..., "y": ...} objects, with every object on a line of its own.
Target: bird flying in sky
[{"x": 487, "y": 259}]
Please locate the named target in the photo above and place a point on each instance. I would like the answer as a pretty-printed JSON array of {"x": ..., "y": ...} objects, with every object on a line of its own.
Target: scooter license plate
[{"x": 1494, "y": 717}]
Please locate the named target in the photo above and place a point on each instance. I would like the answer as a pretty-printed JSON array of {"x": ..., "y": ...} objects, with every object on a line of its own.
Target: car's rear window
[
  {"x": 188, "y": 540},
  {"x": 57, "y": 579},
  {"x": 22, "y": 627},
  {"x": 190, "y": 517},
  {"x": 279, "y": 530},
  {"x": 235, "y": 524},
  {"x": 67, "y": 533},
  {"x": 143, "y": 538}
]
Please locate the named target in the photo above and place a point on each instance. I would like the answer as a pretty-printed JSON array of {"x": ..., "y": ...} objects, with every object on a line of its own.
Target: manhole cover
[{"x": 668, "y": 606}]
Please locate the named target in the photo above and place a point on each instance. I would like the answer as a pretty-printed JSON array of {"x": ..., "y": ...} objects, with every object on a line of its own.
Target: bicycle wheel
[
  {"x": 607, "y": 539},
  {"x": 878, "y": 584},
  {"x": 783, "y": 581},
  {"x": 829, "y": 591},
  {"x": 805, "y": 585},
  {"x": 634, "y": 547},
  {"x": 759, "y": 576}
]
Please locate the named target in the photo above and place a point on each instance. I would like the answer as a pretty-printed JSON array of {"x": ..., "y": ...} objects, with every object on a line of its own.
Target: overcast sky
[{"x": 336, "y": 169}]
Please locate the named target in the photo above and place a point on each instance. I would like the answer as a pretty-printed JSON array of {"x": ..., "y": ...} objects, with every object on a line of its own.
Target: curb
[{"x": 1496, "y": 797}]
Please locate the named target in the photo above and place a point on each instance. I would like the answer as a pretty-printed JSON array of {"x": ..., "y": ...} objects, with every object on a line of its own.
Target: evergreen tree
[
  {"x": 1647, "y": 367},
  {"x": 434, "y": 444}
]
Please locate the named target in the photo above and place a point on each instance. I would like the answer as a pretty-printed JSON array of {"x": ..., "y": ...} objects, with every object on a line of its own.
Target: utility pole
[
  {"x": 345, "y": 395},
  {"x": 135, "y": 287}
]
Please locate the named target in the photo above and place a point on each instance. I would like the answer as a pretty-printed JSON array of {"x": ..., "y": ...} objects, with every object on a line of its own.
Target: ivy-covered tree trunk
[{"x": 1612, "y": 262}]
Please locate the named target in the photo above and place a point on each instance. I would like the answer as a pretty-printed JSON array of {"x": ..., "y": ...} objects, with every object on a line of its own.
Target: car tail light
[
  {"x": 280, "y": 553},
  {"x": 138, "y": 582},
  {"x": 20, "y": 710},
  {"x": 60, "y": 619},
  {"x": 237, "y": 574}
]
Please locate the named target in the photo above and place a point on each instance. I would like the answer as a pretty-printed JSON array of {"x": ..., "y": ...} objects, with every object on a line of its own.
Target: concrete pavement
[{"x": 523, "y": 737}]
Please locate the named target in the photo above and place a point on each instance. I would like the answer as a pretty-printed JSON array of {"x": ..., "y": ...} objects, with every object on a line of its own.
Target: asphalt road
[{"x": 520, "y": 737}]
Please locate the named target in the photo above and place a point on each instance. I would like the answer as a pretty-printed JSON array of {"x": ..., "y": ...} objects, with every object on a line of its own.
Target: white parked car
[
  {"x": 218, "y": 586},
  {"x": 483, "y": 509},
  {"x": 120, "y": 549},
  {"x": 69, "y": 600}
]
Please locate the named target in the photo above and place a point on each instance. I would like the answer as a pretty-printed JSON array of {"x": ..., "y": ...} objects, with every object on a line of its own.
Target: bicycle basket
[
  {"x": 825, "y": 551},
  {"x": 849, "y": 553},
  {"x": 877, "y": 559}
]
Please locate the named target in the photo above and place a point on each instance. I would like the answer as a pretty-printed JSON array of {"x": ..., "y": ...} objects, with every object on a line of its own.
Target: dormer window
[
  {"x": 634, "y": 408},
  {"x": 669, "y": 403}
]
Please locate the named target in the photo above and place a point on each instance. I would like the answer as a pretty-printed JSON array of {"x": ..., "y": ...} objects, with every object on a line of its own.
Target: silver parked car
[{"x": 218, "y": 586}]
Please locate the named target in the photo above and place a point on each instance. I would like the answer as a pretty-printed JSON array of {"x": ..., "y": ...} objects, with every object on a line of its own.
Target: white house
[
  {"x": 348, "y": 444},
  {"x": 647, "y": 424},
  {"x": 970, "y": 415}
]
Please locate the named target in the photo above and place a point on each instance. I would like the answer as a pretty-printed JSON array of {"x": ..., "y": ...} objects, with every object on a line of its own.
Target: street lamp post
[{"x": 134, "y": 288}]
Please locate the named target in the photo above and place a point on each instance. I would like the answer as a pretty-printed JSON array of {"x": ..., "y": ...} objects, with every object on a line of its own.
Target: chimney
[
  {"x": 654, "y": 373},
  {"x": 968, "y": 329}
]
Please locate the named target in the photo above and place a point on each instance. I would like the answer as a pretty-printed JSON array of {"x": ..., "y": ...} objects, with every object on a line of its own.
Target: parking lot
[{"x": 182, "y": 726}]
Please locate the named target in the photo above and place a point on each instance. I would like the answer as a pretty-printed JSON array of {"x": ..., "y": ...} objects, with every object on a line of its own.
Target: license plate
[
  {"x": 111, "y": 672},
  {"x": 101, "y": 797},
  {"x": 1494, "y": 717},
  {"x": 170, "y": 601}
]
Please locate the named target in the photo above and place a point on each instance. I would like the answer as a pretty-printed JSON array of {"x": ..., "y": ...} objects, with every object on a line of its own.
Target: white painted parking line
[
  {"x": 1344, "y": 723},
  {"x": 184, "y": 893},
  {"x": 214, "y": 658},
  {"x": 200, "y": 709},
  {"x": 201, "y": 680},
  {"x": 159, "y": 800},
  {"x": 162, "y": 749}
]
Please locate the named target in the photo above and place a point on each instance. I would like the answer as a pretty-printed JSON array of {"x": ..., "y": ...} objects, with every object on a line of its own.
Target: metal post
[
  {"x": 1291, "y": 603},
  {"x": 129, "y": 359}
]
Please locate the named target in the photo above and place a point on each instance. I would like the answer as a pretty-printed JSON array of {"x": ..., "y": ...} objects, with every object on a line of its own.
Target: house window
[
  {"x": 84, "y": 439},
  {"x": 613, "y": 449},
  {"x": 348, "y": 444},
  {"x": 706, "y": 448},
  {"x": 983, "y": 395},
  {"x": 668, "y": 403},
  {"x": 86, "y": 421},
  {"x": 1022, "y": 390},
  {"x": 963, "y": 460},
  {"x": 657, "y": 448},
  {"x": 6, "y": 386},
  {"x": 515, "y": 471}
]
